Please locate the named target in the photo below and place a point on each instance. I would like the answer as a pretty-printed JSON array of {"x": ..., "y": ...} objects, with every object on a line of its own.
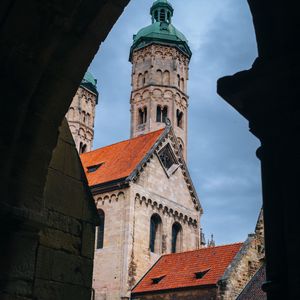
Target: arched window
[
  {"x": 179, "y": 118},
  {"x": 169, "y": 17},
  {"x": 176, "y": 237},
  {"x": 145, "y": 115},
  {"x": 182, "y": 84},
  {"x": 146, "y": 77},
  {"x": 100, "y": 229},
  {"x": 161, "y": 114},
  {"x": 140, "y": 80},
  {"x": 142, "y": 117},
  {"x": 181, "y": 144},
  {"x": 159, "y": 77},
  {"x": 88, "y": 119},
  {"x": 166, "y": 78},
  {"x": 71, "y": 113},
  {"x": 158, "y": 114},
  {"x": 164, "y": 114},
  {"x": 155, "y": 234},
  {"x": 156, "y": 15},
  {"x": 82, "y": 148},
  {"x": 178, "y": 80},
  {"x": 162, "y": 15}
]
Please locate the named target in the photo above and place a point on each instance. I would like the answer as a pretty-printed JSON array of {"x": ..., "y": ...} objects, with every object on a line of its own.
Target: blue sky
[{"x": 221, "y": 150}]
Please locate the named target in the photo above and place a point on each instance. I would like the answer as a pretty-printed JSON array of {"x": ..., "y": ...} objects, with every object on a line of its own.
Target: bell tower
[
  {"x": 81, "y": 114},
  {"x": 160, "y": 58}
]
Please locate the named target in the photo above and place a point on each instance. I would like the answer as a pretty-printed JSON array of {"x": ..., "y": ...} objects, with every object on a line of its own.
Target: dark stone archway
[
  {"x": 46, "y": 46},
  {"x": 46, "y": 230},
  {"x": 268, "y": 96}
]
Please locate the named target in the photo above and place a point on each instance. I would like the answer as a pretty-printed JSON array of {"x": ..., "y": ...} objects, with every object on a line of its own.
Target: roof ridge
[
  {"x": 204, "y": 248},
  {"x": 120, "y": 142}
]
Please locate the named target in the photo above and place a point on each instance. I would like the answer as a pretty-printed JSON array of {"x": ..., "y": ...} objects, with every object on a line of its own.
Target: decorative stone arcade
[{"x": 160, "y": 58}]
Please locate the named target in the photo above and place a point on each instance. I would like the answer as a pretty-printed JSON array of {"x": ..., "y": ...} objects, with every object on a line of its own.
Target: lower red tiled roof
[
  {"x": 180, "y": 268},
  {"x": 118, "y": 160}
]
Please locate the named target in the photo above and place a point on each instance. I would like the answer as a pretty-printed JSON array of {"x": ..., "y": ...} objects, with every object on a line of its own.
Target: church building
[
  {"x": 149, "y": 242},
  {"x": 145, "y": 197}
]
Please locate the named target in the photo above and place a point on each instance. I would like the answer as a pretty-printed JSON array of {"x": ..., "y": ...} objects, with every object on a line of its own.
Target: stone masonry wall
[
  {"x": 81, "y": 118},
  {"x": 111, "y": 262},
  {"x": 169, "y": 198},
  {"x": 190, "y": 294},
  {"x": 65, "y": 249},
  {"x": 159, "y": 78},
  {"x": 53, "y": 251},
  {"x": 242, "y": 269}
]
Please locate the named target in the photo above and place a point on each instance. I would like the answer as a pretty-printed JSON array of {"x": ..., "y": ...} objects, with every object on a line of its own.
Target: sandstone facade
[
  {"x": 126, "y": 255},
  {"x": 81, "y": 118},
  {"x": 159, "y": 82}
]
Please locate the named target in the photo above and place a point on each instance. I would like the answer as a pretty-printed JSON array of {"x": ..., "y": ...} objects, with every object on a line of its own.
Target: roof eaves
[
  {"x": 109, "y": 186},
  {"x": 165, "y": 290},
  {"x": 149, "y": 41}
]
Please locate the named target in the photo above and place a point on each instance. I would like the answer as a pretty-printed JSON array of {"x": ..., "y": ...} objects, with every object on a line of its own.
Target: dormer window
[
  {"x": 156, "y": 280},
  {"x": 201, "y": 274},
  {"x": 94, "y": 168}
]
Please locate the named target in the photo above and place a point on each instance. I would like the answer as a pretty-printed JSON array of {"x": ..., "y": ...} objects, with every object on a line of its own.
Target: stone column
[{"x": 268, "y": 96}]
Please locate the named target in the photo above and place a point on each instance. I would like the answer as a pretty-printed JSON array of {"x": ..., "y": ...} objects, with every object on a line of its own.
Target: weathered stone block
[
  {"x": 22, "y": 247},
  {"x": 88, "y": 240},
  {"x": 59, "y": 188},
  {"x": 63, "y": 267},
  {"x": 46, "y": 290},
  {"x": 61, "y": 241},
  {"x": 64, "y": 223},
  {"x": 17, "y": 287}
]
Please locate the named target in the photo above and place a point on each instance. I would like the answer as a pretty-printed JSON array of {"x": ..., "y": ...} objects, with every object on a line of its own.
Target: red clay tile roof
[
  {"x": 180, "y": 268},
  {"x": 118, "y": 160}
]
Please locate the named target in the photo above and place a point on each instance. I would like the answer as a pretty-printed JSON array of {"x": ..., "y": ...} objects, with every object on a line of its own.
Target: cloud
[{"x": 221, "y": 151}]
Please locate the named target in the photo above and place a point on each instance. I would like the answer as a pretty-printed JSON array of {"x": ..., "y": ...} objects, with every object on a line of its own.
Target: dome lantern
[{"x": 161, "y": 11}]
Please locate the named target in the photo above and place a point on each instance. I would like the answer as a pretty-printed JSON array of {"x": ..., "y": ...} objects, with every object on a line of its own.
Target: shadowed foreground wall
[
  {"x": 53, "y": 253},
  {"x": 268, "y": 95},
  {"x": 46, "y": 232}
]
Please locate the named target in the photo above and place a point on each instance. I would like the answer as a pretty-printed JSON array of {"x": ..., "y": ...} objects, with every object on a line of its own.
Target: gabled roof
[
  {"x": 179, "y": 269},
  {"x": 116, "y": 165},
  {"x": 119, "y": 160}
]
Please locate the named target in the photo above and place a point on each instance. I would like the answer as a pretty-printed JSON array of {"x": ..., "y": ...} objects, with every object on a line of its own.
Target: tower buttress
[
  {"x": 160, "y": 58},
  {"x": 81, "y": 114}
]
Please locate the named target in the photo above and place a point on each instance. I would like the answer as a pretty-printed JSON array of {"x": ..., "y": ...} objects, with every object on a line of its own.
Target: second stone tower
[{"x": 160, "y": 58}]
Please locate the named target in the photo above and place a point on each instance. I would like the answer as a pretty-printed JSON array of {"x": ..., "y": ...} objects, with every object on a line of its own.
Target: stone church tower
[
  {"x": 146, "y": 200},
  {"x": 160, "y": 58},
  {"x": 81, "y": 114}
]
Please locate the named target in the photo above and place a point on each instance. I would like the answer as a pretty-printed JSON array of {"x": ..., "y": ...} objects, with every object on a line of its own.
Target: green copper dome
[
  {"x": 90, "y": 83},
  {"x": 161, "y": 30},
  {"x": 89, "y": 78}
]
